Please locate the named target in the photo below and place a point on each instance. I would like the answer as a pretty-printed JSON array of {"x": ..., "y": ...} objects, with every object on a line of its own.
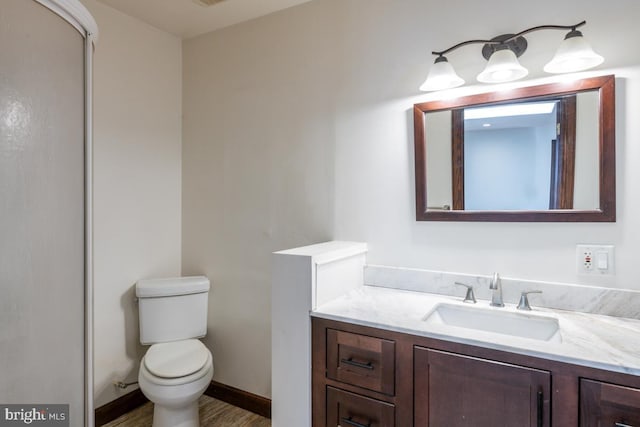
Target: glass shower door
[{"x": 42, "y": 237}]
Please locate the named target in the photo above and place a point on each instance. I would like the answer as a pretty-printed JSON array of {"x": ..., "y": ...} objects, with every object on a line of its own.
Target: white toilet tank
[{"x": 172, "y": 309}]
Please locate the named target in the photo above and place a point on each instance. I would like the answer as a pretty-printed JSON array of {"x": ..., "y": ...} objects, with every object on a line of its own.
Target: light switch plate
[{"x": 595, "y": 260}]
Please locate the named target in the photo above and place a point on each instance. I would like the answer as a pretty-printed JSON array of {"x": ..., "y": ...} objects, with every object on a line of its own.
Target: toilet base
[
  {"x": 186, "y": 416},
  {"x": 175, "y": 401}
]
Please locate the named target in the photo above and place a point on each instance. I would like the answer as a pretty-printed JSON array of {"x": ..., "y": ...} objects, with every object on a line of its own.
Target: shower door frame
[{"x": 81, "y": 19}]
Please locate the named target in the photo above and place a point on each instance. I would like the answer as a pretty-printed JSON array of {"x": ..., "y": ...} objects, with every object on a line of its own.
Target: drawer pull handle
[
  {"x": 352, "y": 362},
  {"x": 350, "y": 422},
  {"x": 622, "y": 425}
]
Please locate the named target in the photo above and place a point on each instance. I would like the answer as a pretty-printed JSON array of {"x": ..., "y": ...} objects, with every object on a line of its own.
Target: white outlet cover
[{"x": 587, "y": 261}]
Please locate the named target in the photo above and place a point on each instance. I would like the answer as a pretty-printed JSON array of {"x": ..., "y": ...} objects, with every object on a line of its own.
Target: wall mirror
[{"x": 540, "y": 153}]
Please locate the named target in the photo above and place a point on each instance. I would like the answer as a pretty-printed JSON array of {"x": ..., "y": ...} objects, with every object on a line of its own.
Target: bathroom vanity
[
  {"x": 398, "y": 347},
  {"x": 378, "y": 361}
]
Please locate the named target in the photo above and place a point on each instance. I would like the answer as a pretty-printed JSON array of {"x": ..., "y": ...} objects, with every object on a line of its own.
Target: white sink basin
[{"x": 496, "y": 320}]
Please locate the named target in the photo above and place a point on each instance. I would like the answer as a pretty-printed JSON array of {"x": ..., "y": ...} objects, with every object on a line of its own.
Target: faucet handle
[
  {"x": 524, "y": 300},
  {"x": 469, "y": 297}
]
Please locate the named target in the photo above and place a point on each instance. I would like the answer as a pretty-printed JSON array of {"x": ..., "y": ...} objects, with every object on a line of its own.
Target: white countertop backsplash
[
  {"x": 398, "y": 299},
  {"x": 561, "y": 296}
]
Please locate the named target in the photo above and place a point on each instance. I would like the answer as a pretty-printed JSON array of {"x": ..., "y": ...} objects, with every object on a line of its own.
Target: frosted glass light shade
[
  {"x": 503, "y": 66},
  {"x": 441, "y": 76},
  {"x": 573, "y": 54}
]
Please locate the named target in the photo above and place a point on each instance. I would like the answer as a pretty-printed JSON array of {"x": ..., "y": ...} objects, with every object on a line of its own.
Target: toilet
[{"x": 177, "y": 368}]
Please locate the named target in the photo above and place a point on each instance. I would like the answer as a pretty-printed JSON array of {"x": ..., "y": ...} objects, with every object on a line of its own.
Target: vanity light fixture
[
  {"x": 441, "y": 76},
  {"x": 574, "y": 54},
  {"x": 503, "y": 66},
  {"x": 502, "y": 52}
]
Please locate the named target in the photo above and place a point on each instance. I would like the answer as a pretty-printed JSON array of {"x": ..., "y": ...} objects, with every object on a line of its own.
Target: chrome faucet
[{"x": 496, "y": 286}]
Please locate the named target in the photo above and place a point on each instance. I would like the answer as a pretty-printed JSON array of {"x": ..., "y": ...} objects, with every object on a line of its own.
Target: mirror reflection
[
  {"x": 533, "y": 155},
  {"x": 539, "y": 153}
]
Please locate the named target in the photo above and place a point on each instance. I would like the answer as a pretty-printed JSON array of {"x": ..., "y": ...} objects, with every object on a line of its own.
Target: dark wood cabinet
[
  {"x": 461, "y": 391},
  {"x": 367, "y": 362},
  {"x": 365, "y": 376},
  {"x": 608, "y": 405},
  {"x": 345, "y": 409}
]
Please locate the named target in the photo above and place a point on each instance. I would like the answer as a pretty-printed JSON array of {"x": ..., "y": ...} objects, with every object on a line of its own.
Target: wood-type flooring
[{"x": 213, "y": 413}]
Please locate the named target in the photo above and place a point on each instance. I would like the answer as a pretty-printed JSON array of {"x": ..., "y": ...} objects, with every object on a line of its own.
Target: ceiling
[{"x": 187, "y": 18}]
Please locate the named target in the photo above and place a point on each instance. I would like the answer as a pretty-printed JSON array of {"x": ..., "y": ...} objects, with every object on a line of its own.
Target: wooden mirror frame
[{"x": 606, "y": 148}]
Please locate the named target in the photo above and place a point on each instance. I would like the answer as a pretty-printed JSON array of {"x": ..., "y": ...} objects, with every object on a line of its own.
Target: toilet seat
[
  {"x": 207, "y": 369},
  {"x": 176, "y": 359}
]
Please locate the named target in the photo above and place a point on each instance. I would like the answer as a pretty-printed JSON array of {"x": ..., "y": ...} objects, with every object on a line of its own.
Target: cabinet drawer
[
  {"x": 345, "y": 409},
  {"x": 361, "y": 360},
  {"x": 610, "y": 405}
]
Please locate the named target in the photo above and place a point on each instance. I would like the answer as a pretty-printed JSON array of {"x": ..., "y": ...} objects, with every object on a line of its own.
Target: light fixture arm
[
  {"x": 549, "y": 27},
  {"x": 502, "y": 52},
  {"x": 509, "y": 38}
]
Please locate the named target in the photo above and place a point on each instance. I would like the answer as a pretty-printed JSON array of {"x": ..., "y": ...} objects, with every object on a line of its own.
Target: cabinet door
[
  {"x": 608, "y": 405},
  {"x": 460, "y": 391},
  {"x": 345, "y": 409}
]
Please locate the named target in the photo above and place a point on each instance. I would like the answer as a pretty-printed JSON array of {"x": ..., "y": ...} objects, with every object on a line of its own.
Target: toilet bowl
[
  {"x": 173, "y": 376},
  {"x": 177, "y": 368}
]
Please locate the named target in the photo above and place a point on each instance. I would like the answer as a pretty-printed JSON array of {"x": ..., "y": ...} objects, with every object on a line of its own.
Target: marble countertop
[{"x": 598, "y": 341}]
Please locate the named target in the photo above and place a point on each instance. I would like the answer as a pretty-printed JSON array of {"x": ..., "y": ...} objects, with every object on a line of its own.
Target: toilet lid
[{"x": 176, "y": 359}]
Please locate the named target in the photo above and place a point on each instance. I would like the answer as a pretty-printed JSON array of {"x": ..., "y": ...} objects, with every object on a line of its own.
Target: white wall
[
  {"x": 257, "y": 172},
  {"x": 298, "y": 128},
  {"x": 137, "y": 178},
  {"x": 503, "y": 160},
  {"x": 439, "y": 159},
  {"x": 374, "y": 145},
  {"x": 586, "y": 185}
]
